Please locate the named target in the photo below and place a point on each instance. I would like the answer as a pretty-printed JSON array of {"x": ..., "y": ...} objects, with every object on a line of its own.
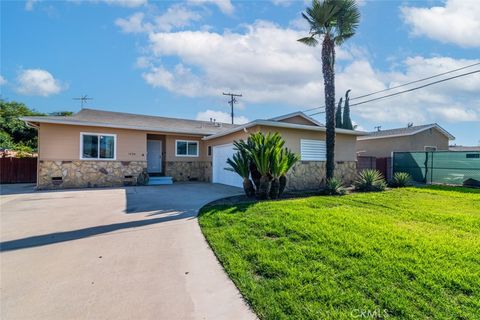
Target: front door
[{"x": 154, "y": 156}]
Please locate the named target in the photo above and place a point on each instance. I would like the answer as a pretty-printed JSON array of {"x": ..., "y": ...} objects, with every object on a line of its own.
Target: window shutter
[{"x": 313, "y": 150}]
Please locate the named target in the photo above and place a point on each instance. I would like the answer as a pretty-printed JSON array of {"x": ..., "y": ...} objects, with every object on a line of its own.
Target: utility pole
[
  {"x": 83, "y": 100},
  {"x": 232, "y": 100}
]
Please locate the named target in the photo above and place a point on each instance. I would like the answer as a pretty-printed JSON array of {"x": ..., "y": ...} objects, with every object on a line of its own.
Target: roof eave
[
  {"x": 270, "y": 123},
  {"x": 443, "y": 131},
  {"x": 108, "y": 125}
]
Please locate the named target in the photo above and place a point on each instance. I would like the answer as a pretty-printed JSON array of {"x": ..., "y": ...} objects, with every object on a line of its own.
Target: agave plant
[
  {"x": 401, "y": 179},
  {"x": 240, "y": 164},
  {"x": 370, "y": 180},
  {"x": 334, "y": 187}
]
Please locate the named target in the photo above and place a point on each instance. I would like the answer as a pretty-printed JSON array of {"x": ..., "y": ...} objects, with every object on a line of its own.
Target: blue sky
[{"x": 176, "y": 58}]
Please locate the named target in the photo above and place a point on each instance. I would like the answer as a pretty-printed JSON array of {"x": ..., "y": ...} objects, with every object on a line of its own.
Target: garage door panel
[{"x": 220, "y": 154}]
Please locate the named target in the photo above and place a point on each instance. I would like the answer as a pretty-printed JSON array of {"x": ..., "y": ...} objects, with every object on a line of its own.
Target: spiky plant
[
  {"x": 401, "y": 180},
  {"x": 370, "y": 180},
  {"x": 332, "y": 22},
  {"x": 334, "y": 187},
  {"x": 240, "y": 165}
]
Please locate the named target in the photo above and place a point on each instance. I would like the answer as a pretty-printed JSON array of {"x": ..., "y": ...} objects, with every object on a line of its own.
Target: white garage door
[{"x": 219, "y": 162}]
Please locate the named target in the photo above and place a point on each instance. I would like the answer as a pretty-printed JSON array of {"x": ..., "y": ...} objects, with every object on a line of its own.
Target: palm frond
[{"x": 309, "y": 41}]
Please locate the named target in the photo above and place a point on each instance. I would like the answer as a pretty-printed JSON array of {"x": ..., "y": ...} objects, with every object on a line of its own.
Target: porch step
[{"x": 155, "y": 181}]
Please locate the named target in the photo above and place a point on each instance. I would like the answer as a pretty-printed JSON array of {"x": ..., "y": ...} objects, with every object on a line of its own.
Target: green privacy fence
[{"x": 451, "y": 167}]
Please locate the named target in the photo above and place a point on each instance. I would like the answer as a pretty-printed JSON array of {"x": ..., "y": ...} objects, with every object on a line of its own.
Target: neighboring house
[
  {"x": 380, "y": 144},
  {"x": 101, "y": 148},
  {"x": 463, "y": 148}
]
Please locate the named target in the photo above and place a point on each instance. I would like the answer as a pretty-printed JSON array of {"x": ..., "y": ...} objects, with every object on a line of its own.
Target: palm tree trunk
[
  {"x": 263, "y": 190},
  {"x": 283, "y": 184},
  {"x": 274, "y": 188},
  {"x": 328, "y": 63},
  {"x": 248, "y": 187}
]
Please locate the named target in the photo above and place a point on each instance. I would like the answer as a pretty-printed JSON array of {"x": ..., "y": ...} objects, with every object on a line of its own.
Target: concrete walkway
[{"x": 126, "y": 253}]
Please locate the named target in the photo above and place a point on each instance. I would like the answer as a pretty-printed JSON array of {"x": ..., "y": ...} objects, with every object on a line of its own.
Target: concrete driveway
[{"x": 124, "y": 253}]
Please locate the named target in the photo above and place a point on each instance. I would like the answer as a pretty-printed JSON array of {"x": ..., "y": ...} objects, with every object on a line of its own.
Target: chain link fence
[{"x": 447, "y": 167}]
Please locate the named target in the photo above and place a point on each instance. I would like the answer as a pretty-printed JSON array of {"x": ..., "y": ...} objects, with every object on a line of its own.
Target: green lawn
[{"x": 409, "y": 253}]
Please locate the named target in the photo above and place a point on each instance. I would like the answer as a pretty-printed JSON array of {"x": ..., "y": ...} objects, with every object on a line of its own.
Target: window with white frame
[
  {"x": 313, "y": 150},
  {"x": 185, "y": 148},
  {"x": 97, "y": 146}
]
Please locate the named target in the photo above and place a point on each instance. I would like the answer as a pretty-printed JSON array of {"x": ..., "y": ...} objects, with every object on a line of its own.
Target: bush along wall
[{"x": 263, "y": 162}]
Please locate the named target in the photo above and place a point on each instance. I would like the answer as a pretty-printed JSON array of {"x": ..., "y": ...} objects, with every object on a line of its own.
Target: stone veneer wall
[
  {"x": 189, "y": 170},
  {"x": 88, "y": 173},
  {"x": 307, "y": 175}
]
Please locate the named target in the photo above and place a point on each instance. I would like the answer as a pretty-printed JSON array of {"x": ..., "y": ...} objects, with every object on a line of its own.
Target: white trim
[
  {"x": 99, "y": 134},
  {"x": 187, "y": 155},
  {"x": 433, "y": 147},
  {"x": 436, "y": 126},
  {"x": 276, "y": 124}
]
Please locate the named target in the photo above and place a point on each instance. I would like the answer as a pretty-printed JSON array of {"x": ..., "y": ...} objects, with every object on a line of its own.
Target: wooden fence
[{"x": 18, "y": 170}]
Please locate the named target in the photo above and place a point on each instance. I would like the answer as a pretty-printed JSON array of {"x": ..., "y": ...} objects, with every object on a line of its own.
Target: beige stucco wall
[
  {"x": 383, "y": 147},
  {"x": 344, "y": 145},
  {"x": 62, "y": 142},
  {"x": 297, "y": 120}
]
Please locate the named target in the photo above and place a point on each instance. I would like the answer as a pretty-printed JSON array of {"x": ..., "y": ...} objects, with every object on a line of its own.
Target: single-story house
[
  {"x": 102, "y": 148},
  {"x": 381, "y": 143}
]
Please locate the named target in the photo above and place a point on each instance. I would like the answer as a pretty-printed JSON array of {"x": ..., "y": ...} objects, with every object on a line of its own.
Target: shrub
[
  {"x": 334, "y": 187},
  {"x": 264, "y": 158},
  {"x": 370, "y": 180},
  {"x": 401, "y": 180}
]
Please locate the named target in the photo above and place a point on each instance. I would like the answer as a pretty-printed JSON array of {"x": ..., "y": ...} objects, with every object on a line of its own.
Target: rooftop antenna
[
  {"x": 83, "y": 100},
  {"x": 232, "y": 100},
  {"x": 378, "y": 128}
]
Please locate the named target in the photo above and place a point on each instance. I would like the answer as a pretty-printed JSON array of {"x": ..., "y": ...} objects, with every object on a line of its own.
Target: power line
[
  {"x": 408, "y": 90},
  {"x": 419, "y": 80},
  {"x": 402, "y": 85}
]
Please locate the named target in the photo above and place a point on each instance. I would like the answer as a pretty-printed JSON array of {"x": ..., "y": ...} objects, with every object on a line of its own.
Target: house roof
[
  {"x": 406, "y": 131},
  {"x": 297, "y": 114},
  {"x": 100, "y": 118},
  {"x": 278, "y": 124},
  {"x": 464, "y": 148}
]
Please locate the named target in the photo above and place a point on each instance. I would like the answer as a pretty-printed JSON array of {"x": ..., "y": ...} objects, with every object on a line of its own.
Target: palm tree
[
  {"x": 240, "y": 164},
  {"x": 333, "y": 22}
]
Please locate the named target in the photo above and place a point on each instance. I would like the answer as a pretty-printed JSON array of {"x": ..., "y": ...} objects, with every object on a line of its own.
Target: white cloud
[
  {"x": 457, "y": 22},
  {"x": 124, "y": 3},
  {"x": 133, "y": 24},
  {"x": 174, "y": 17},
  {"x": 29, "y": 5},
  {"x": 225, "y": 6},
  {"x": 267, "y": 65},
  {"x": 2, "y": 80},
  {"x": 38, "y": 82},
  {"x": 220, "y": 116}
]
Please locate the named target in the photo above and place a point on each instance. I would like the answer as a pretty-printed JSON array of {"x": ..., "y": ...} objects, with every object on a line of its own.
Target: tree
[
  {"x": 338, "y": 115},
  {"x": 16, "y": 129},
  {"x": 333, "y": 22},
  {"x": 347, "y": 121}
]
